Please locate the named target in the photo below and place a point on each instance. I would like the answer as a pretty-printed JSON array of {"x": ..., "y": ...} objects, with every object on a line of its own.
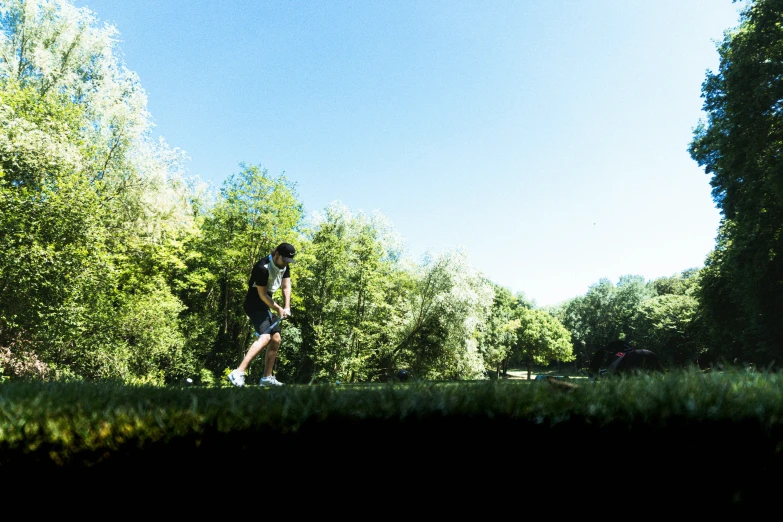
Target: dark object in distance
[
  {"x": 619, "y": 357},
  {"x": 403, "y": 375},
  {"x": 636, "y": 361}
]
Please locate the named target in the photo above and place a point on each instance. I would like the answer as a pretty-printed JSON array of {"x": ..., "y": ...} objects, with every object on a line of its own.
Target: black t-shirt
[{"x": 260, "y": 276}]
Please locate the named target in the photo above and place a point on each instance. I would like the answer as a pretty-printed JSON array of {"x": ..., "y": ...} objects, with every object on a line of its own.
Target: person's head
[{"x": 283, "y": 254}]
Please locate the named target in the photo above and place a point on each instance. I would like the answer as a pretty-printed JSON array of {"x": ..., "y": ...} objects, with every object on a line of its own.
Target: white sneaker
[
  {"x": 269, "y": 381},
  {"x": 237, "y": 378}
]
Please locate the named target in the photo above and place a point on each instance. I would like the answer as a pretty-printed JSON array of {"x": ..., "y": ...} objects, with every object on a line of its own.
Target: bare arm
[{"x": 286, "y": 288}]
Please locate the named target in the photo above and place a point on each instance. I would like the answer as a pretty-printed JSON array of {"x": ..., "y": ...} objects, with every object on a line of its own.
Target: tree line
[{"x": 115, "y": 265}]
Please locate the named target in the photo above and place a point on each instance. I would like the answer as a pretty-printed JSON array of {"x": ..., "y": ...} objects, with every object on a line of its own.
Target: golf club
[{"x": 270, "y": 327}]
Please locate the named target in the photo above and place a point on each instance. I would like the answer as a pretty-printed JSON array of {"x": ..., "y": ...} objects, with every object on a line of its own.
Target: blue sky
[{"x": 547, "y": 139}]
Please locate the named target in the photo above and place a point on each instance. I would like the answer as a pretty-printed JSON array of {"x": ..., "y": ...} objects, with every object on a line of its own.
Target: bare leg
[
  {"x": 271, "y": 354},
  {"x": 254, "y": 349}
]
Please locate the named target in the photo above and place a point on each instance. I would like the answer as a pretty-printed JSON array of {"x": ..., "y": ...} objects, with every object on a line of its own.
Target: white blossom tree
[
  {"x": 93, "y": 208},
  {"x": 57, "y": 48},
  {"x": 449, "y": 304}
]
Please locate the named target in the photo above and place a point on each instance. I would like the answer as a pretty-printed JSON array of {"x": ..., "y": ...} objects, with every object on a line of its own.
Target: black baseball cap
[{"x": 287, "y": 251}]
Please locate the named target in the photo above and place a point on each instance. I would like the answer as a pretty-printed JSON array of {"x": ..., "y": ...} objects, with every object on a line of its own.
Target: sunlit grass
[{"x": 86, "y": 420}]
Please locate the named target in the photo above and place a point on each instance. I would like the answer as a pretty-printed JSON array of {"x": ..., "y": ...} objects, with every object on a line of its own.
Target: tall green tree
[
  {"x": 604, "y": 314},
  {"x": 499, "y": 333},
  {"x": 739, "y": 148},
  {"x": 353, "y": 298},
  {"x": 684, "y": 283},
  {"x": 449, "y": 305},
  {"x": 323, "y": 266},
  {"x": 666, "y": 325},
  {"x": 541, "y": 339},
  {"x": 590, "y": 318},
  {"x": 51, "y": 242},
  {"x": 94, "y": 208},
  {"x": 670, "y": 324},
  {"x": 630, "y": 292}
]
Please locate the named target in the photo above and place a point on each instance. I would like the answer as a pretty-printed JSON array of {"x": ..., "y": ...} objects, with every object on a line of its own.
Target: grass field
[
  {"x": 709, "y": 442},
  {"x": 565, "y": 371}
]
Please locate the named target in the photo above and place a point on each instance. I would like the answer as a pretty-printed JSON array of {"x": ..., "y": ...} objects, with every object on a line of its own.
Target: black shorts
[{"x": 262, "y": 319}]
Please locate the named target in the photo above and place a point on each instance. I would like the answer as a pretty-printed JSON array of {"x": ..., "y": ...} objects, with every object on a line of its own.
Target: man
[{"x": 269, "y": 274}]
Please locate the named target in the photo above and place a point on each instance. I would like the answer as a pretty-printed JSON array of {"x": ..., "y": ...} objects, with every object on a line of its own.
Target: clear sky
[{"x": 546, "y": 138}]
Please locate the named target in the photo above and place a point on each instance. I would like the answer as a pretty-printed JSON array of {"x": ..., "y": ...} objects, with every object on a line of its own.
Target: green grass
[
  {"x": 87, "y": 416},
  {"x": 720, "y": 433}
]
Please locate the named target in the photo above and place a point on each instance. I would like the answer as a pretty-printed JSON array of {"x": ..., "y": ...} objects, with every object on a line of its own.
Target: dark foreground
[
  {"x": 444, "y": 465},
  {"x": 687, "y": 445}
]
